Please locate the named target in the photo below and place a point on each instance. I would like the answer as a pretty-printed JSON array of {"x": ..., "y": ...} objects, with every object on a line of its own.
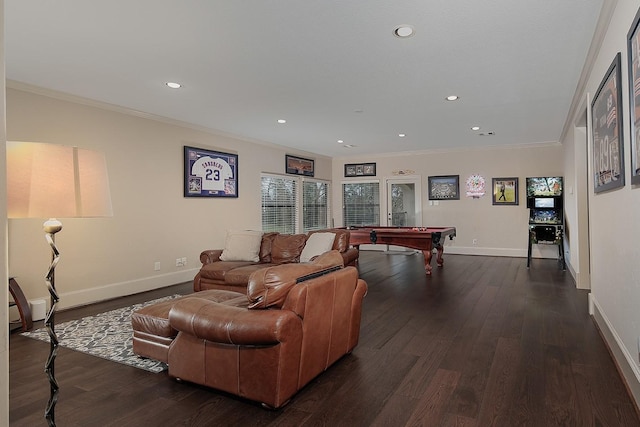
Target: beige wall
[
  {"x": 613, "y": 215},
  {"x": 4, "y": 290},
  {"x": 108, "y": 257},
  {"x": 499, "y": 230}
]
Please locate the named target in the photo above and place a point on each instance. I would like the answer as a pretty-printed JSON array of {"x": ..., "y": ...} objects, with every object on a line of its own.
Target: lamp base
[{"x": 51, "y": 227}]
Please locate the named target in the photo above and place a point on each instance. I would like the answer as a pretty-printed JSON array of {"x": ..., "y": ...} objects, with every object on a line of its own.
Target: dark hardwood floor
[{"x": 484, "y": 341}]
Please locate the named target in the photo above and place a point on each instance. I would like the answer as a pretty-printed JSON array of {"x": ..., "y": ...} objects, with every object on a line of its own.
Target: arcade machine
[{"x": 546, "y": 219}]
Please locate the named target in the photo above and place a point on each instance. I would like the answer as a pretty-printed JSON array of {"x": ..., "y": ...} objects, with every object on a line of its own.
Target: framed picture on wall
[
  {"x": 633, "y": 59},
  {"x": 505, "y": 191},
  {"x": 299, "y": 166},
  {"x": 444, "y": 187},
  {"x": 359, "y": 169},
  {"x": 210, "y": 173},
  {"x": 606, "y": 131}
]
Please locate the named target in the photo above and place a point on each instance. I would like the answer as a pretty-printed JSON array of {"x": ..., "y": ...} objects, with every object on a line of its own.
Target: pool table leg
[
  {"x": 439, "y": 259},
  {"x": 427, "y": 262},
  {"x": 427, "y": 259}
]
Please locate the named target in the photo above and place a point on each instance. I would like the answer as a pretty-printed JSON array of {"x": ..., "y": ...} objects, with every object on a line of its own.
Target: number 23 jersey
[{"x": 213, "y": 172}]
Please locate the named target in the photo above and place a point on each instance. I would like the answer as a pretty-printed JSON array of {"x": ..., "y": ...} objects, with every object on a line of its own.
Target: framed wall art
[
  {"x": 359, "y": 169},
  {"x": 633, "y": 48},
  {"x": 444, "y": 187},
  {"x": 606, "y": 131},
  {"x": 505, "y": 191},
  {"x": 299, "y": 165},
  {"x": 210, "y": 173}
]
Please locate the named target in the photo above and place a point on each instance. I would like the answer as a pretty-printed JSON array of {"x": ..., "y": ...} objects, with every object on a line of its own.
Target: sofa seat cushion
[
  {"x": 218, "y": 270},
  {"x": 240, "y": 275},
  {"x": 154, "y": 319}
]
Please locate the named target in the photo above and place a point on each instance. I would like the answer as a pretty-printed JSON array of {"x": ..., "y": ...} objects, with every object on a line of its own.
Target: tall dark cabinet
[{"x": 546, "y": 214}]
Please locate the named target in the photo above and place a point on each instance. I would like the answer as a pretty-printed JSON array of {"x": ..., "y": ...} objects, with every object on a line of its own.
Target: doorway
[{"x": 404, "y": 204}]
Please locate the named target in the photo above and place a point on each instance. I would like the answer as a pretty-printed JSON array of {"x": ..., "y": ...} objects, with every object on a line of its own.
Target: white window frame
[
  {"x": 299, "y": 197},
  {"x": 380, "y": 199}
]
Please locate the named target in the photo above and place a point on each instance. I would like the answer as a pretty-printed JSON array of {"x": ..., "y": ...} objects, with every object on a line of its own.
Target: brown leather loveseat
[
  {"x": 274, "y": 249},
  {"x": 294, "y": 322}
]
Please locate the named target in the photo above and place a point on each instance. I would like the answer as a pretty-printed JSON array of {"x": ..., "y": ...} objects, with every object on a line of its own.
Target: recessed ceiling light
[
  {"x": 403, "y": 31},
  {"x": 475, "y": 128},
  {"x": 402, "y": 135},
  {"x": 340, "y": 141},
  {"x": 348, "y": 146},
  {"x": 453, "y": 98},
  {"x": 282, "y": 121},
  {"x": 173, "y": 85}
]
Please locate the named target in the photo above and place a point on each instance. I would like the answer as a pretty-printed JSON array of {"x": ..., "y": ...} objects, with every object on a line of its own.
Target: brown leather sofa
[
  {"x": 295, "y": 321},
  {"x": 275, "y": 249}
]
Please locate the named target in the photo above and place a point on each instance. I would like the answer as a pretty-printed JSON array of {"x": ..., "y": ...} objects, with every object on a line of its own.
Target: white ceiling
[{"x": 333, "y": 69}]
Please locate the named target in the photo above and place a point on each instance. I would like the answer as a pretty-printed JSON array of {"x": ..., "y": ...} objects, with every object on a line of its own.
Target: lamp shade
[{"x": 48, "y": 180}]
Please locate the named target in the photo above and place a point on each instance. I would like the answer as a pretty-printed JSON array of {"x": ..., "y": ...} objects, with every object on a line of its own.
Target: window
[
  {"x": 279, "y": 207},
  {"x": 286, "y": 209},
  {"x": 315, "y": 205},
  {"x": 361, "y": 203}
]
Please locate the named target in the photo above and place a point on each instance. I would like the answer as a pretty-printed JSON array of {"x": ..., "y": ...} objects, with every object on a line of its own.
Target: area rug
[{"x": 107, "y": 335}]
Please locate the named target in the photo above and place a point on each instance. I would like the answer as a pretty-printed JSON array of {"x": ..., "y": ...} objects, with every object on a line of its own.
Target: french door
[{"x": 404, "y": 204}]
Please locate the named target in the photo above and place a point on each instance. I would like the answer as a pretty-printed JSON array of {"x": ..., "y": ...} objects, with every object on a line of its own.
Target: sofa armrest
[
  {"x": 350, "y": 256},
  {"x": 220, "y": 323},
  {"x": 210, "y": 255}
]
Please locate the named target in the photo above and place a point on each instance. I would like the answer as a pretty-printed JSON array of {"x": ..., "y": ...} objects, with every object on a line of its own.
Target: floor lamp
[{"x": 55, "y": 181}]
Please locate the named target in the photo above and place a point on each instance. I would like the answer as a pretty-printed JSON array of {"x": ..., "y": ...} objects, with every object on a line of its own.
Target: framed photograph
[
  {"x": 505, "y": 191},
  {"x": 444, "y": 187},
  {"x": 360, "y": 169},
  {"x": 633, "y": 48},
  {"x": 606, "y": 128},
  {"x": 210, "y": 173},
  {"x": 299, "y": 166}
]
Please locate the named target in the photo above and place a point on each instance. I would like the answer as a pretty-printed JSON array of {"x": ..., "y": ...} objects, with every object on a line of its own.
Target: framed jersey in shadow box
[
  {"x": 606, "y": 129},
  {"x": 209, "y": 173}
]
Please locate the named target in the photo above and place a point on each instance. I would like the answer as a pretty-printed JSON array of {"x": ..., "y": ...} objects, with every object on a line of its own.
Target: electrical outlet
[
  {"x": 178, "y": 262},
  {"x": 184, "y": 261},
  {"x": 156, "y": 266},
  {"x": 474, "y": 242}
]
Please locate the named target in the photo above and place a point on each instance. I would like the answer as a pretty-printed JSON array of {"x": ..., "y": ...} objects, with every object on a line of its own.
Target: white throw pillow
[
  {"x": 242, "y": 245},
  {"x": 317, "y": 244}
]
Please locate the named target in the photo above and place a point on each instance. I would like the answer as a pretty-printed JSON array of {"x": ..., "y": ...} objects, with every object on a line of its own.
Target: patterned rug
[{"x": 107, "y": 335}]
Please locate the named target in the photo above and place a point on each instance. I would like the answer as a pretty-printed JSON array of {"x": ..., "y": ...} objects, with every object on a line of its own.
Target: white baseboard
[
  {"x": 476, "y": 250},
  {"x": 626, "y": 362},
  {"x": 114, "y": 290}
]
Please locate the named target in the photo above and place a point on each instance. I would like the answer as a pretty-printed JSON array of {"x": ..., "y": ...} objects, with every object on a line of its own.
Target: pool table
[{"x": 422, "y": 238}]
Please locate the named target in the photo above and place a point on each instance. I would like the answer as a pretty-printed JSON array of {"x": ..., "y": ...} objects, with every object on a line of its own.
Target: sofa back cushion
[
  {"x": 341, "y": 242},
  {"x": 268, "y": 287},
  {"x": 286, "y": 248},
  {"x": 242, "y": 245},
  {"x": 265, "y": 247}
]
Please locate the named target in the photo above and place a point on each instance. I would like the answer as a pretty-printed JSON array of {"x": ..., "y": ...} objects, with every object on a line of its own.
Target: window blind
[
  {"x": 361, "y": 203},
  {"x": 315, "y": 205},
  {"x": 279, "y": 204}
]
